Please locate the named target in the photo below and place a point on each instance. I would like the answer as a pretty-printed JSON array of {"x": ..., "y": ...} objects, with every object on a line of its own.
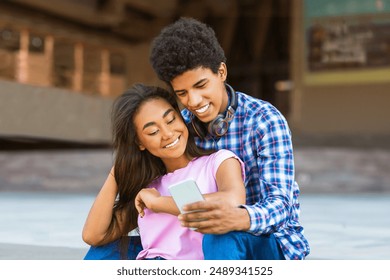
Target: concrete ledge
[{"x": 318, "y": 170}]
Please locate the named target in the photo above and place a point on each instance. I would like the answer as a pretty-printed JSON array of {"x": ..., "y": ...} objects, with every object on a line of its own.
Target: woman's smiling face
[{"x": 161, "y": 131}]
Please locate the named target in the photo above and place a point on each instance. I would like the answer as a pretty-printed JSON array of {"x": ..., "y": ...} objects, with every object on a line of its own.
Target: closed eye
[
  {"x": 201, "y": 85},
  {"x": 153, "y": 133},
  {"x": 172, "y": 120},
  {"x": 181, "y": 93}
]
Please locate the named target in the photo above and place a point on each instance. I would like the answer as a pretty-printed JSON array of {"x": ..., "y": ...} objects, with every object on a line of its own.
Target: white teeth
[
  {"x": 203, "y": 109},
  {"x": 172, "y": 144}
]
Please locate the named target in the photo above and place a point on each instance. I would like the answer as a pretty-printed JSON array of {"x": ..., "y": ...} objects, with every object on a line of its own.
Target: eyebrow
[
  {"x": 153, "y": 123},
  {"x": 194, "y": 85}
]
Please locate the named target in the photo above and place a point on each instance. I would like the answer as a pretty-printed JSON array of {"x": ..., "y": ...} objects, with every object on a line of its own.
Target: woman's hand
[{"x": 146, "y": 198}]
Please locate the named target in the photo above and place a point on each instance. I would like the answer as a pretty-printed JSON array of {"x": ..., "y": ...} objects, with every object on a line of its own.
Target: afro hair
[{"x": 185, "y": 45}]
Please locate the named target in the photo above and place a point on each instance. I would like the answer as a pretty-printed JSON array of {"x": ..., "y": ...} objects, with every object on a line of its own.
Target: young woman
[{"x": 153, "y": 150}]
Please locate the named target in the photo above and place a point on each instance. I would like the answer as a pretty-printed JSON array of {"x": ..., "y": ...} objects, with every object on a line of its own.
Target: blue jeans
[
  {"x": 230, "y": 246},
  {"x": 111, "y": 250},
  {"x": 238, "y": 245},
  {"x": 156, "y": 259}
]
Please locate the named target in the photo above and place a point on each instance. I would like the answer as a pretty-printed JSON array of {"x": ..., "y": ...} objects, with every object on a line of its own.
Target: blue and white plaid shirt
[{"x": 260, "y": 136}]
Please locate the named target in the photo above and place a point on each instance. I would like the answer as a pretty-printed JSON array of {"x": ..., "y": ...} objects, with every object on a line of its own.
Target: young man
[{"x": 188, "y": 57}]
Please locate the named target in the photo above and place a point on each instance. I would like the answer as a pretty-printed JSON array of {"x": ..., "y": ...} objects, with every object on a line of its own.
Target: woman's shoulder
[
  {"x": 219, "y": 156},
  {"x": 224, "y": 152},
  {"x": 218, "y": 153}
]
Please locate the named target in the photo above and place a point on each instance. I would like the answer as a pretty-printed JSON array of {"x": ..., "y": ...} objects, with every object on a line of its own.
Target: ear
[
  {"x": 140, "y": 146},
  {"x": 222, "y": 71}
]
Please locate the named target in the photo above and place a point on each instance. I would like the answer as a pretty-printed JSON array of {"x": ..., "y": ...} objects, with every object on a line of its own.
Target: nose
[
  {"x": 194, "y": 99},
  {"x": 167, "y": 132}
]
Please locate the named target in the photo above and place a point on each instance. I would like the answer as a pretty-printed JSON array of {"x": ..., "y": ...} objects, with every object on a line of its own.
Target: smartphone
[{"x": 185, "y": 192}]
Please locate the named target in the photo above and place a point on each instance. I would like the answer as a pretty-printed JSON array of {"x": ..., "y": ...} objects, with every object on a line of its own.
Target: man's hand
[
  {"x": 215, "y": 217},
  {"x": 145, "y": 199}
]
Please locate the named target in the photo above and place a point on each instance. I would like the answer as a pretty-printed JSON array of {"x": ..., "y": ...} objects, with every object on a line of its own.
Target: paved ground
[
  {"x": 42, "y": 225},
  {"x": 45, "y": 197}
]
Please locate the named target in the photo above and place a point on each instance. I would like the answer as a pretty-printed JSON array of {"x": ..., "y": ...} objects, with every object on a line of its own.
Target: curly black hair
[{"x": 185, "y": 45}]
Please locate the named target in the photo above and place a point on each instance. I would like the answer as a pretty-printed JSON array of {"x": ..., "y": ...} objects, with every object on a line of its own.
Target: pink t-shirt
[{"x": 161, "y": 234}]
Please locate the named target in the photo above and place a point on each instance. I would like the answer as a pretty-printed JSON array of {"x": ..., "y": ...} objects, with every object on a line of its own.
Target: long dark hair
[{"x": 135, "y": 169}]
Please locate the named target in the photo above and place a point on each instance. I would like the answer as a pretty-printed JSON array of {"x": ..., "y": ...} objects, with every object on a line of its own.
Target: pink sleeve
[{"x": 221, "y": 156}]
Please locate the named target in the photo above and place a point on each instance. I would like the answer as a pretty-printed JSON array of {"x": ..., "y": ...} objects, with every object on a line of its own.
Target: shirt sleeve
[{"x": 276, "y": 174}]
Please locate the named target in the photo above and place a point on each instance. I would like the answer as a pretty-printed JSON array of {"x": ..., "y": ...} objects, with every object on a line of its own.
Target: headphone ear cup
[{"x": 218, "y": 126}]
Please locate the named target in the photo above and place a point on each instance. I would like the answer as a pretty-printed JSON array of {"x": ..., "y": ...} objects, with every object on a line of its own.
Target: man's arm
[{"x": 276, "y": 176}]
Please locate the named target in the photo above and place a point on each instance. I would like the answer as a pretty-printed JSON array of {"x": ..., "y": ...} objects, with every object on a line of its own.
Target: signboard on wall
[{"x": 347, "y": 35}]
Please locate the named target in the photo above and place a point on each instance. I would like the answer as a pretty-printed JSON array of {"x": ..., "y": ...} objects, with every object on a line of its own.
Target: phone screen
[{"x": 185, "y": 192}]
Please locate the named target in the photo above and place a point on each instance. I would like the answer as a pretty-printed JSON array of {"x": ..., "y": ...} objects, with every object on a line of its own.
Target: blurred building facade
[
  {"x": 340, "y": 66},
  {"x": 324, "y": 64}
]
